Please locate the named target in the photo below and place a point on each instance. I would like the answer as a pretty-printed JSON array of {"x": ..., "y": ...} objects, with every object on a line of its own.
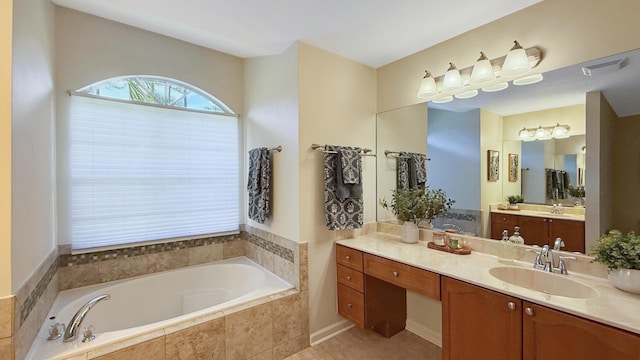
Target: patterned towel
[
  {"x": 340, "y": 213},
  {"x": 259, "y": 184},
  {"x": 412, "y": 170},
  {"x": 350, "y": 163}
]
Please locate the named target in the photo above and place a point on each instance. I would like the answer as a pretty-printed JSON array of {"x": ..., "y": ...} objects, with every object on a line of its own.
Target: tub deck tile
[
  {"x": 132, "y": 345},
  {"x": 203, "y": 341},
  {"x": 249, "y": 332},
  {"x": 152, "y": 349}
]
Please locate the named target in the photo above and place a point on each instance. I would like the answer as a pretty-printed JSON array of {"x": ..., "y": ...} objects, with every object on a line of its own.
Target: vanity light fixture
[
  {"x": 544, "y": 132},
  {"x": 488, "y": 75}
]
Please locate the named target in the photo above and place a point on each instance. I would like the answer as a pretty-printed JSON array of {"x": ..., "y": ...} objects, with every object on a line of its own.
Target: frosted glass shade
[
  {"x": 467, "y": 94},
  {"x": 543, "y": 134},
  {"x": 452, "y": 79},
  {"x": 561, "y": 131},
  {"x": 516, "y": 63},
  {"x": 443, "y": 99},
  {"x": 482, "y": 72},
  {"x": 528, "y": 80},
  {"x": 427, "y": 87},
  {"x": 526, "y": 135}
]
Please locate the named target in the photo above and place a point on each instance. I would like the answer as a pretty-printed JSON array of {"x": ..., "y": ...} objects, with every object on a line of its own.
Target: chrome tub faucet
[{"x": 71, "y": 333}]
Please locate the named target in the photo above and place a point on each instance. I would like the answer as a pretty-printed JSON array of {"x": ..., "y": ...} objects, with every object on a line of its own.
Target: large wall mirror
[{"x": 457, "y": 135}]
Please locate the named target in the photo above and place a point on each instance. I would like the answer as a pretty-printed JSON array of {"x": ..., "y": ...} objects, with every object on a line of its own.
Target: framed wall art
[
  {"x": 493, "y": 165},
  {"x": 513, "y": 167}
]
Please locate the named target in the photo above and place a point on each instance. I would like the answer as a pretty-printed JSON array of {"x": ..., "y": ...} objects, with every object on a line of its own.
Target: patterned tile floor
[{"x": 357, "y": 344}]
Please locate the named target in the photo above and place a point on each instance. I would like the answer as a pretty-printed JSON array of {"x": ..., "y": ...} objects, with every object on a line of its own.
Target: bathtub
[{"x": 152, "y": 302}]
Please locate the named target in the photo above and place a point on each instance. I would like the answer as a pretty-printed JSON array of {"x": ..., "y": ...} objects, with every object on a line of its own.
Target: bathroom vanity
[
  {"x": 484, "y": 317},
  {"x": 541, "y": 227}
]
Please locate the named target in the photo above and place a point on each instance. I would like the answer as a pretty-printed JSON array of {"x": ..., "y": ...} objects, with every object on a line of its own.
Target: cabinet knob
[
  {"x": 349, "y": 305},
  {"x": 529, "y": 311},
  {"x": 349, "y": 277},
  {"x": 504, "y": 219},
  {"x": 550, "y": 220},
  {"x": 544, "y": 220},
  {"x": 395, "y": 273},
  {"x": 511, "y": 305},
  {"x": 348, "y": 257}
]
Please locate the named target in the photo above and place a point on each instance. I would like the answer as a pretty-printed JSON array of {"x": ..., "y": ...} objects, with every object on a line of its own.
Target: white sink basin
[{"x": 543, "y": 282}]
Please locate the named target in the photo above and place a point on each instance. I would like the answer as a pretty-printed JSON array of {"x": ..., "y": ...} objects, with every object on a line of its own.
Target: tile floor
[{"x": 357, "y": 344}]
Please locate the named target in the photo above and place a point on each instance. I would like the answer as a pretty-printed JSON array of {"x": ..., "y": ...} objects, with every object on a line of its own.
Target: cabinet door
[
  {"x": 551, "y": 334},
  {"x": 534, "y": 230},
  {"x": 351, "y": 305},
  {"x": 571, "y": 232},
  {"x": 500, "y": 222},
  {"x": 479, "y": 324}
]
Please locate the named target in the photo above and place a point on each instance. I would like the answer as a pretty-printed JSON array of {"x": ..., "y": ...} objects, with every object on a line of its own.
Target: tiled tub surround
[
  {"x": 92, "y": 268},
  {"x": 154, "y": 302}
]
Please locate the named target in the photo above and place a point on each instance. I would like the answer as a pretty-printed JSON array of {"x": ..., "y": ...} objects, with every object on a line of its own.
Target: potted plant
[
  {"x": 578, "y": 193},
  {"x": 621, "y": 254},
  {"x": 514, "y": 200},
  {"x": 413, "y": 206}
]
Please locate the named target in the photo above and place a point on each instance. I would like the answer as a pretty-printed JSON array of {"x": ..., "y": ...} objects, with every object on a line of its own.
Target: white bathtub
[{"x": 152, "y": 302}]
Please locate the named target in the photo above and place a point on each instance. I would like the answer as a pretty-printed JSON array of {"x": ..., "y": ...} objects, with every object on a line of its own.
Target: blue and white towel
[{"x": 259, "y": 184}]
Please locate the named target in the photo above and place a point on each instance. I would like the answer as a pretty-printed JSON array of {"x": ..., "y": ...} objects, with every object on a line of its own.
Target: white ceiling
[{"x": 372, "y": 32}]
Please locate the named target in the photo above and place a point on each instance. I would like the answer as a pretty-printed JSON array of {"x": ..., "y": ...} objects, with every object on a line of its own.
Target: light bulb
[
  {"x": 516, "y": 63},
  {"x": 427, "y": 86},
  {"x": 452, "y": 79}
]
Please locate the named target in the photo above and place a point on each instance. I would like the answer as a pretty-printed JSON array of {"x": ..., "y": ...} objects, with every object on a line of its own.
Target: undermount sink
[{"x": 543, "y": 282}]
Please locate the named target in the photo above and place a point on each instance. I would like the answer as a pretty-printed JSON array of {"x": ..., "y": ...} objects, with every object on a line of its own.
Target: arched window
[{"x": 150, "y": 159}]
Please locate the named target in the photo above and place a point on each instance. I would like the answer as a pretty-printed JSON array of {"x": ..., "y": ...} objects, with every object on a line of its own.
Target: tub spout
[{"x": 74, "y": 324}]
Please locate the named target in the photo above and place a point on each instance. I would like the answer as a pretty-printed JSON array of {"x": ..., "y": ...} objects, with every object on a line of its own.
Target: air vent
[{"x": 609, "y": 66}]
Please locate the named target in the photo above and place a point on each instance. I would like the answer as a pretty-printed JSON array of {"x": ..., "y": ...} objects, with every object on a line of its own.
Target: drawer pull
[
  {"x": 348, "y": 257},
  {"x": 395, "y": 273},
  {"x": 349, "y": 305},
  {"x": 349, "y": 277},
  {"x": 511, "y": 305},
  {"x": 550, "y": 220},
  {"x": 529, "y": 311}
]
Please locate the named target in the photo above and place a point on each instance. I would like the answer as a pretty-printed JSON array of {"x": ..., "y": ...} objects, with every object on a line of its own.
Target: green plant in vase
[
  {"x": 578, "y": 193},
  {"x": 621, "y": 254},
  {"x": 417, "y": 205},
  {"x": 514, "y": 200}
]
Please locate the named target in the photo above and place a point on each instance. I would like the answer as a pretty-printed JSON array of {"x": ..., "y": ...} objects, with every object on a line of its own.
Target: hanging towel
[
  {"x": 259, "y": 184},
  {"x": 551, "y": 182},
  {"x": 402, "y": 172},
  {"x": 340, "y": 213},
  {"x": 353, "y": 188},
  {"x": 412, "y": 170},
  {"x": 350, "y": 163}
]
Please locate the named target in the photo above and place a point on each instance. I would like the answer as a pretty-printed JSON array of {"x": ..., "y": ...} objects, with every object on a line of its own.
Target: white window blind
[{"x": 141, "y": 173}]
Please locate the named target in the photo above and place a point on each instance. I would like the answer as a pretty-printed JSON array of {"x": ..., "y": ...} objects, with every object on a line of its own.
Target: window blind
[{"x": 141, "y": 173}]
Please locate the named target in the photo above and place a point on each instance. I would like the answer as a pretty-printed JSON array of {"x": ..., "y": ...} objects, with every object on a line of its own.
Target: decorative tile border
[
  {"x": 35, "y": 294},
  {"x": 98, "y": 256},
  {"x": 269, "y": 246}
]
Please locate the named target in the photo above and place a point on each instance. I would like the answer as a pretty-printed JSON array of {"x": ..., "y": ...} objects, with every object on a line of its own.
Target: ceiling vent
[{"x": 609, "y": 66}]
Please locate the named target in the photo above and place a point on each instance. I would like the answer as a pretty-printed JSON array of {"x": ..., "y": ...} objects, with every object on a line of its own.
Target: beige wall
[
  {"x": 574, "y": 116},
  {"x": 600, "y": 164},
  {"x": 403, "y": 129},
  {"x": 626, "y": 174},
  {"x": 33, "y": 131},
  {"x": 90, "y": 49},
  {"x": 567, "y": 31},
  {"x": 337, "y": 106},
  {"x": 490, "y": 139},
  {"x": 271, "y": 119},
  {"x": 6, "y": 21}
]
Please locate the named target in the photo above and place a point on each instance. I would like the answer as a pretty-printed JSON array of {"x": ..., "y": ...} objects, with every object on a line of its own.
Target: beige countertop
[
  {"x": 611, "y": 306},
  {"x": 548, "y": 215}
]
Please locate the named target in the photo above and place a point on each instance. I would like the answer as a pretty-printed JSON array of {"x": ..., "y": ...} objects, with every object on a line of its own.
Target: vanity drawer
[
  {"x": 349, "y": 257},
  {"x": 408, "y": 277},
  {"x": 350, "y": 277},
  {"x": 351, "y": 305}
]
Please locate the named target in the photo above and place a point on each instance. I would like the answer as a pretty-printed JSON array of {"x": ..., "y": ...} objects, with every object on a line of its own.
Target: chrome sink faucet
[
  {"x": 74, "y": 324},
  {"x": 545, "y": 259}
]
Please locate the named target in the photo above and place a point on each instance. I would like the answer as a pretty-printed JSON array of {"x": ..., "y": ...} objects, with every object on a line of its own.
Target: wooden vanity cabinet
[
  {"x": 549, "y": 333},
  {"x": 541, "y": 231},
  {"x": 500, "y": 222},
  {"x": 484, "y": 324},
  {"x": 350, "y": 285},
  {"x": 479, "y": 324}
]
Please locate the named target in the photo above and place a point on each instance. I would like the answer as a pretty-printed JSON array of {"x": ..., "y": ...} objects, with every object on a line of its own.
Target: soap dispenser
[
  {"x": 507, "y": 249},
  {"x": 516, "y": 239}
]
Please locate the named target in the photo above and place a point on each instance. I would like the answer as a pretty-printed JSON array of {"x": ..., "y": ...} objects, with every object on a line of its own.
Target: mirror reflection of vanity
[{"x": 458, "y": 145}]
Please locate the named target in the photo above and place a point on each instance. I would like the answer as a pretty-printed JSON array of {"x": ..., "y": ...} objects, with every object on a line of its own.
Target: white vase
[
  {"x": 409, "y": 233},
  {"x": 626, "y": 279}
]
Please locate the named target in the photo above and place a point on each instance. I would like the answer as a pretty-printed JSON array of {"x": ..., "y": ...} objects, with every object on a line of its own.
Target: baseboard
[
  {"x": 330, "y": 331},
  {"x": 424, "y": 332}
]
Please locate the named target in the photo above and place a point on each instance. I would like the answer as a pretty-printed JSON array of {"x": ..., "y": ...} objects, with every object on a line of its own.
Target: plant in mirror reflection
[
  {"x": 618, "y": 250},
  {"x": 515, "y": 199},
  {"x": 417, "y": 204}
]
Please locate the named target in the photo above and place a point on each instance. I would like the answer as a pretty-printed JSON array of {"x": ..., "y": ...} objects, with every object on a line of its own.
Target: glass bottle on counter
[
  {"x": 516, "y": 239},
  {"x": 507, "y": 249}
]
